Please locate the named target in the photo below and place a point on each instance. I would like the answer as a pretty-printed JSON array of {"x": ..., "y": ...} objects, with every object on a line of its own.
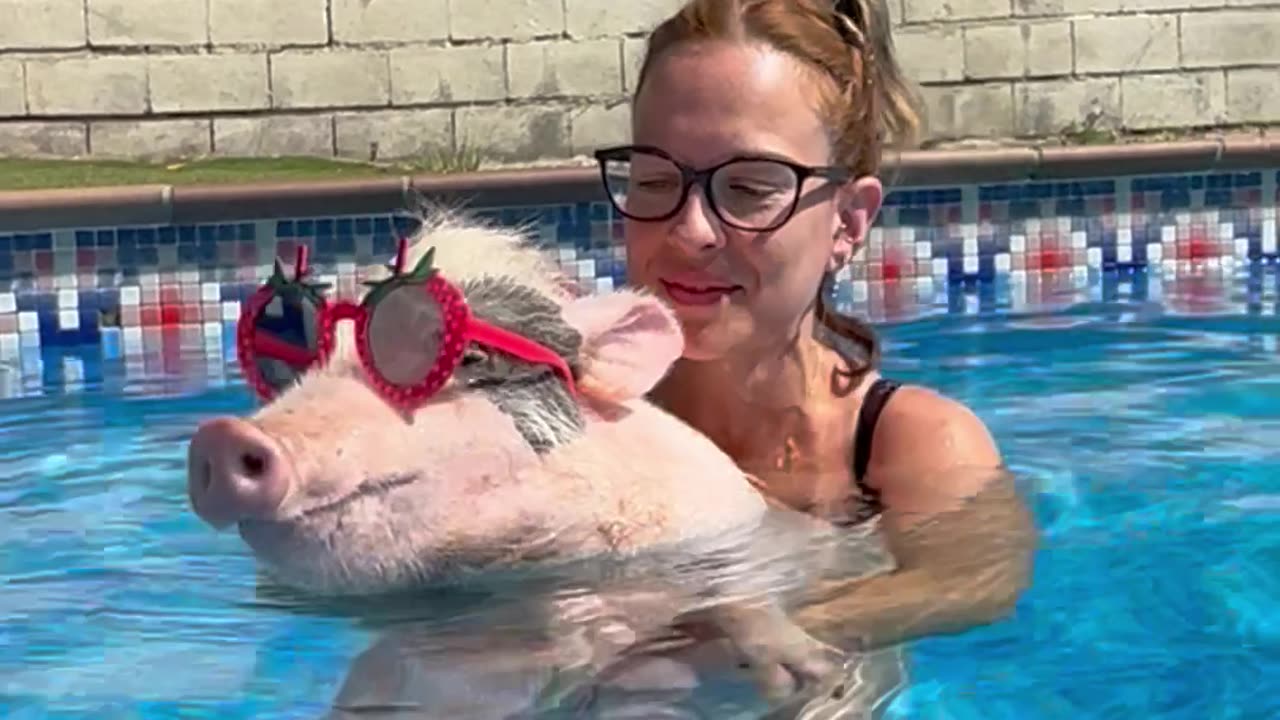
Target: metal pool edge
[{"x": 163, "y": 204}]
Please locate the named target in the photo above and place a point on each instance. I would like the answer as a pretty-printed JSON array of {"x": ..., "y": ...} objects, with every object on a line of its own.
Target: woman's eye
[{"x": 471, "y": 357}]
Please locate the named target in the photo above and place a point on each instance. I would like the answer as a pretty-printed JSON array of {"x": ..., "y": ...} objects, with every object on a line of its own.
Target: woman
[{"x": 757, "y": 129}]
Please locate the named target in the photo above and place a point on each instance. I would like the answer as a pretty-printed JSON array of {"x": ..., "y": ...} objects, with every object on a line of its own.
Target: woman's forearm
[
  {"x": 963, "y": 569},
  {"x": 909, "y": 604}
]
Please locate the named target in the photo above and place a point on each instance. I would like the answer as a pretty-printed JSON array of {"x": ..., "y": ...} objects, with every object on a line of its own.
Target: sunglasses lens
[
  {"x": 405, "y": 333},
  {"x": 284, "y": 338}
]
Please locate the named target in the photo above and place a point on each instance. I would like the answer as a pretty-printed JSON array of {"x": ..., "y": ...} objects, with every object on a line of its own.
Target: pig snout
[{"x": 235, "y": 471}]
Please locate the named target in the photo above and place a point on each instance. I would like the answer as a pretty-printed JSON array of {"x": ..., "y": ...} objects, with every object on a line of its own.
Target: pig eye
[{"x": 472, "y": 356}]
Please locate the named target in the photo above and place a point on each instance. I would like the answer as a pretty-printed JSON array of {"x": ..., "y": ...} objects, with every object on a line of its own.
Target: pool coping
[{"x": 52, "y": 209}]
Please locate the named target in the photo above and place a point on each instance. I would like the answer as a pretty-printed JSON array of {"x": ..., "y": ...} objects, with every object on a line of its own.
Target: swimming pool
[
  {"x": 1117, "y": 333},
  {"x": 1148, "y": 440}
]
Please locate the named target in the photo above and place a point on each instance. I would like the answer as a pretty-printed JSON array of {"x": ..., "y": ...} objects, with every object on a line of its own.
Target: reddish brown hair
[{"x": 862, "y": 93}]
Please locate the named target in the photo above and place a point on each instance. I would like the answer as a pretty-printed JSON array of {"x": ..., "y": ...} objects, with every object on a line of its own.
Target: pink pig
[{"x": 505, "y": 467}]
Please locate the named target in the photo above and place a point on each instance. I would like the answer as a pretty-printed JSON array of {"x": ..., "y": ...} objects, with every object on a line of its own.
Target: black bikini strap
[{"x": 877, "y": 395}]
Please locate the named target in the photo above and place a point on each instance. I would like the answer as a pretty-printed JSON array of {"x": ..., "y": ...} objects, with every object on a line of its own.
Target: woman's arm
[{"x": 956, "y": 525}]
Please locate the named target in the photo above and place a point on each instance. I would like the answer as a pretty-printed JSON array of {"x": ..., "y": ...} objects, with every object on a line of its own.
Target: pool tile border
[{"x": 172, "y": 265}]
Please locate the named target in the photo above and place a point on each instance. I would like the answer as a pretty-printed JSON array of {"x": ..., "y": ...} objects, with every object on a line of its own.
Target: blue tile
[
  {"x": 364, "y": 226},
  {"x": 284, "y": 229},
  {"x": 146, "y": 236},
  {"x": 207, "y": 233},
  {"x": 226, "y": 232},
  {"x": 1071, "y": 205},
  {"x": 1175, "y": 199},
  {"x": 344, "y": 227},
  {"x": 246, "y": 232},
  {"x": 187, "y": 234},
  {"x": 324, "y": 228},
  {"x": 84, "y": 238},
  {"x": 305, "y": 229},
  {"x": 167, "y": 235},
  {"x": 105, "y": 238}
]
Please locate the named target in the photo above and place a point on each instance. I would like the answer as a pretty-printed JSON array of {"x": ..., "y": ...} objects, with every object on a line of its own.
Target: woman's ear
[{"x": 857, "y": 203}]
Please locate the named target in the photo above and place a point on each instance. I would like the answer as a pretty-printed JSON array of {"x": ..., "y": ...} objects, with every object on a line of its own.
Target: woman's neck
[{"x": 783, "y": 373}]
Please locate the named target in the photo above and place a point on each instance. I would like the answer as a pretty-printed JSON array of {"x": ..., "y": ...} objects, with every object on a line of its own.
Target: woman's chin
[{"x": 704, "y": 342}]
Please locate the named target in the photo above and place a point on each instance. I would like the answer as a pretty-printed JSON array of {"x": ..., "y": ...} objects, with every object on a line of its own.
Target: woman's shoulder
[{"x": 922, "y": 433}]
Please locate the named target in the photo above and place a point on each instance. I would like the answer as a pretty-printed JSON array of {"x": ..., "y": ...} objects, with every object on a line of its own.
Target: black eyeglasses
[{"x": 757, "y": 194}]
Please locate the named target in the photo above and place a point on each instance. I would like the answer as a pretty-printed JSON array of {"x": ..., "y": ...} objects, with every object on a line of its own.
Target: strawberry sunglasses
[{"x": 411, "y": 332}]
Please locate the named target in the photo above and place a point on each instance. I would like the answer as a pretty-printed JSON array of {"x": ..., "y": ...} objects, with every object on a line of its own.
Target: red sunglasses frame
[{"x": 459, "y": 328}]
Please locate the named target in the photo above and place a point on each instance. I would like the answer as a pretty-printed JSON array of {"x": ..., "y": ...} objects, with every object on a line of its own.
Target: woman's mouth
[{"x": 690, "y": 292}]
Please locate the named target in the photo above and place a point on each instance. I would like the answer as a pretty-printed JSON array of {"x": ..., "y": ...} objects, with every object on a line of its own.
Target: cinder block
[
  {"x": 268, "y": 22},
  {"x": 43, "y": 139},
  {"x": 114, "y": 85},
  {"x": 389, "y": 21},
  {"x": 1168, "y": 5},
  {"x": 1058, "y": 8},
  {"x": 1171, "y": 100},
  {"x": 932, "y": 10},
  {"x": 471, "y": 73},
  {"x": 506, "y": 19},
  {"x": 930, "y": 54},
  {"x": 332, "y": 78},
  {"x": 209, "y": 83},
  {"x": 13, "y": 92},
  {"x": 560, "y": 68},
  {"x": 599, "y": 126},
  {"x": 393, "y": 134},
  {"x": 508, "y": 133},
  {"x": 148, "y": 22},
  {"x": 1017, "y": 49},
  {"x": 1252, "y": 95},
  {"x": 1231, "y": 37},
  {"x": 41, "y": 25},
  {"x": 274, "y": 136},
  {"x": 633, "y": 50},
  {"x": 1126, "y": 43},
  {"x": 968, "y": 111},
  {"x": 150, "y": 139},
  {"x": 1049, "y": 107},
  {"x": 592, "y": 18}
]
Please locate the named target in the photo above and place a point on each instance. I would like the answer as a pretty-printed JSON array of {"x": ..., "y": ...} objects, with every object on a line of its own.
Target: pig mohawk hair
[
  {"x": 469, "y": 248},
  {"x": 472, "y": 252}
]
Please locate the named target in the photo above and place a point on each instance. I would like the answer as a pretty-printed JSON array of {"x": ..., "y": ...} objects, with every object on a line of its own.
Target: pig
[{"x": 509, "y": 470}]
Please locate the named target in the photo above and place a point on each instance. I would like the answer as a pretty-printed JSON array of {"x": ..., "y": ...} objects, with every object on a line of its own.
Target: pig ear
[{"x": 629, "y": 341}]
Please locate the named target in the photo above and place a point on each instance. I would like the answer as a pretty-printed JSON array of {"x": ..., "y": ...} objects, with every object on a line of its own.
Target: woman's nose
[{"x": 697, "y": 229}]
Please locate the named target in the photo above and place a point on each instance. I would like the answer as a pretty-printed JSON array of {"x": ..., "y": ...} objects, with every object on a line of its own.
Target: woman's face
[{"x": 705, "y": 104}]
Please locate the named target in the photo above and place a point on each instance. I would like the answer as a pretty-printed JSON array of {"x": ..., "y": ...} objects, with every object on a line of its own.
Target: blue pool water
[{"x": 1149, "y": 446}]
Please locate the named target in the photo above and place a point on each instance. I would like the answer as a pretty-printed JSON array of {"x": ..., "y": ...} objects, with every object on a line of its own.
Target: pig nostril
[
  {"x": 206, "y": 476},
  {"x": 253, "y": 464}
]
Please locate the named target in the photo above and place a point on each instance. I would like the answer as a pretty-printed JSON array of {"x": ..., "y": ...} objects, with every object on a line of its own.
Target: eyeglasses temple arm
[
  {"x": 267, "y": 346},
  {"x": 521, "y": 347}
]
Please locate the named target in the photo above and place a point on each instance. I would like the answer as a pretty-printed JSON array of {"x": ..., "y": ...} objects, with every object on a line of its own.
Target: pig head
[{"x": 338, "y": 492}]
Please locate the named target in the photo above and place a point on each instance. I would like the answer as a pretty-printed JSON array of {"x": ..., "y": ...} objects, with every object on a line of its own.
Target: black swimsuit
[{"x": 867, "y": 504}]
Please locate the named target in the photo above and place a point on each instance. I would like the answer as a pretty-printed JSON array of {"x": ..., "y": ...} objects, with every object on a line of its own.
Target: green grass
[{"x": 24, "y": 174}]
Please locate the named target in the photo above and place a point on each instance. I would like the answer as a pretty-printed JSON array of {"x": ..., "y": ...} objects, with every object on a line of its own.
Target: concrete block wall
[{"x": 522, "y": 80}]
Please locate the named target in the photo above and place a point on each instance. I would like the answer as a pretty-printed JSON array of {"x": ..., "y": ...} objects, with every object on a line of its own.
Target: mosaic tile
[{"x": 966, "y": 248}]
